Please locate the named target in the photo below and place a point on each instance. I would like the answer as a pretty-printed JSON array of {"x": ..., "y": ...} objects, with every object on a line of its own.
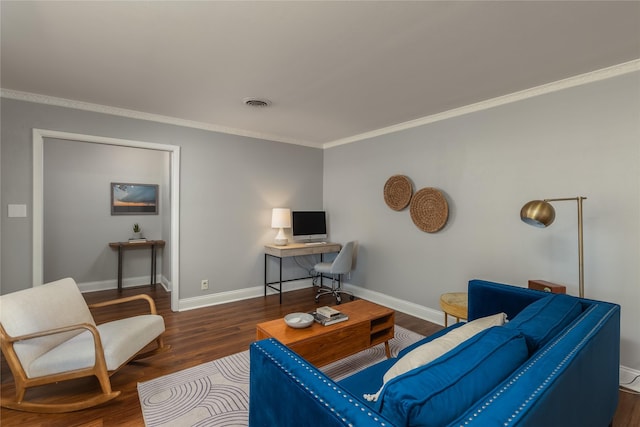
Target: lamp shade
[
  {"x": 538, "y": 213},
  {"x": 281, "y": 218}
]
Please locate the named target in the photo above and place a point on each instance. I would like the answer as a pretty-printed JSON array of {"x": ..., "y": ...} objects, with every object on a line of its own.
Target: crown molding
[
  {"x": 594, "y": 76},
  {"x": 133, "y": 114}
]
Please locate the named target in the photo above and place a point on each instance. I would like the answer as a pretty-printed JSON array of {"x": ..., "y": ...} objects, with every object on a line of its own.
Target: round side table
[{"x": 454, "y": 304}]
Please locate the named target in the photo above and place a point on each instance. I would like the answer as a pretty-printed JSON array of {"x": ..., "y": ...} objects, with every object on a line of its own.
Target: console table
[
  {"x": 291, "y": 250},
  {"x": 121, "y": 246}
]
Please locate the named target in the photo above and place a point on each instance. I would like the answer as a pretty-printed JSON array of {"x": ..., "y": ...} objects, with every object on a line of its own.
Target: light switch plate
[{"x": 17, "y": 211}]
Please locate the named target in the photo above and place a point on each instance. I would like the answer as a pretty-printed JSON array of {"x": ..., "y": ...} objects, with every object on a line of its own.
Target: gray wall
[
  {"x": 580, "y": 141},
  {"x": 584, "y": 139},
  {"x": 77, "y": 215},
  {"x": 229, "y": 184}
]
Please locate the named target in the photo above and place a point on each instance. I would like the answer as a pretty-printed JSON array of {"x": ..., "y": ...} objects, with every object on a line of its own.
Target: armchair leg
[
  {"x": 161, "y": 348},
  {"x": 20, "y": 391},
  {"x": 105, "y": 383}
]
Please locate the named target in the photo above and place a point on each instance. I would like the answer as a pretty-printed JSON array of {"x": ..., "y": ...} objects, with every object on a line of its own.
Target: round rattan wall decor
[
  {"x": 397, "y": 192},
  {"x": 429, "y": 210}
]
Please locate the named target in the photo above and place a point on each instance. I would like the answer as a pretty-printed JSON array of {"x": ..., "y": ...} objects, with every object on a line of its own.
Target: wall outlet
[{"x": 204, "y": 284}]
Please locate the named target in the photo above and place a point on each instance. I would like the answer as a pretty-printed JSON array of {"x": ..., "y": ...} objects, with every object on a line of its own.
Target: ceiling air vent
[{"x": 257, "y": 102}]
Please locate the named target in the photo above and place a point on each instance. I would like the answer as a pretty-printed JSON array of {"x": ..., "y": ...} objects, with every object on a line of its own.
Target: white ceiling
[{"x": 333, "y": 70}]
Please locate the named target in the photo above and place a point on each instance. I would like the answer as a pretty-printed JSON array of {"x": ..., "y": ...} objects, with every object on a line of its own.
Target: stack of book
[{"x": 328, "y": 316}]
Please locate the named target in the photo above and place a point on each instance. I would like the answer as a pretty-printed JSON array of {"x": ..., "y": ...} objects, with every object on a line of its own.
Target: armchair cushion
[{"x": 121, "y": 339}]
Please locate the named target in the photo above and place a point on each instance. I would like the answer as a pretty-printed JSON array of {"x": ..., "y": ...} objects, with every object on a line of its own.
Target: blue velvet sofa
[{"x": 555, "y": 363}]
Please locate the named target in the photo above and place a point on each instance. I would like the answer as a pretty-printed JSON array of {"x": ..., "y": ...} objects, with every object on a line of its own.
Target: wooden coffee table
[{"x": 369, "y": 324}]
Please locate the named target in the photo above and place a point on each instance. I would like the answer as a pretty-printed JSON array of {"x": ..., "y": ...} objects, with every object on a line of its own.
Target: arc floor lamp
[{"x": 541, "y": 214}]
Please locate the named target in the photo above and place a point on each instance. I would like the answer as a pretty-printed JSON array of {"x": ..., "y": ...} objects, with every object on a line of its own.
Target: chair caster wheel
[
  {"x": 352, "y": 298},
  {"x": 317, "y": 300}
]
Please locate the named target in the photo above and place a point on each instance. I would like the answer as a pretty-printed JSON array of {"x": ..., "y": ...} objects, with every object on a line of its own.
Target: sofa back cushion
[
  {"x": 437, "y": 393},
  {"x": 542, "y": 320}
]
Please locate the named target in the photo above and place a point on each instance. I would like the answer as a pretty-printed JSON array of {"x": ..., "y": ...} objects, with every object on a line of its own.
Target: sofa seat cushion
[
  {"x": 368, "y": 379},
  {"x": 542, "y": 320},
  {"x": 437, "y": 393},
  {"x": 432, "y": 350},
  {"x": 121, "y": 340}
]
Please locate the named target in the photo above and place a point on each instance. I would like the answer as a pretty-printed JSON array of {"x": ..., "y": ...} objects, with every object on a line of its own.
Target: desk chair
[{"x": 340, "y": 265}]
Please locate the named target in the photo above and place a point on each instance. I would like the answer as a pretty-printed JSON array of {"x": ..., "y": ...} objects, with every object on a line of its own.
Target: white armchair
[{"x": 48, "y": 334}]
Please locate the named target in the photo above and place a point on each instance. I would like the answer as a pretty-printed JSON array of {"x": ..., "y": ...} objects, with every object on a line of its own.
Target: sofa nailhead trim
[{"x": 553, "y": 373}]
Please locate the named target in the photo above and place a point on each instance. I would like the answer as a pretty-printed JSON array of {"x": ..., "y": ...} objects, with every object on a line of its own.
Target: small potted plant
[{"x": 137, "y": 231}]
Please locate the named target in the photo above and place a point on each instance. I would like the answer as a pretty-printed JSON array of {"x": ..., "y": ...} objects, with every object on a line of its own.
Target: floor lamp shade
[
  {"x": 540, "y": 213},
  {"x": 281, "y": 219}
]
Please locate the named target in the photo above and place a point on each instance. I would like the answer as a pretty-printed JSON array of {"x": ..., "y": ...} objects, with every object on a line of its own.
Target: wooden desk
[
  {"x": 369, "y": 324},
  {"x": 121, "y": 246},
  {"x": 290, "y": 250}
]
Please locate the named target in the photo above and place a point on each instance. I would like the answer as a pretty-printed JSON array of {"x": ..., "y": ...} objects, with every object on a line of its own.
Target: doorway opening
[{"x": 39, "y": 139}]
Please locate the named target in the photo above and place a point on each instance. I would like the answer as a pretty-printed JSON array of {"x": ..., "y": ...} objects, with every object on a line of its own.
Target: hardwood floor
[{"x": 196, "y": 336}]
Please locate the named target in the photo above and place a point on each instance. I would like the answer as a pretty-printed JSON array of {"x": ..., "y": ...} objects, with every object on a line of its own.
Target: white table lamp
[{"x": 281, "y": 218}]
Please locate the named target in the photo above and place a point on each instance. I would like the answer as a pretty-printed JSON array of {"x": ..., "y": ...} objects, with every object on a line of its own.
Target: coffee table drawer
[{"x": 339, "y": 344}]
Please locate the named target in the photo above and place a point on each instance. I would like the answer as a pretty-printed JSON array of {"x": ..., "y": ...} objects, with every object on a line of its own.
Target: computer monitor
[{"x": 309, "y": 225}]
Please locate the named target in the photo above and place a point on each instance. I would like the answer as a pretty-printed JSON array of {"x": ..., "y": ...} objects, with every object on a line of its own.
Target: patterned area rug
[{"x": 216, "y": 394}]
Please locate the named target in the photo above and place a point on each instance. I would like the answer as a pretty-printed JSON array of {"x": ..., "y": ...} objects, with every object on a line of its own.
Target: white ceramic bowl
[{"x": 298, "y": 320}]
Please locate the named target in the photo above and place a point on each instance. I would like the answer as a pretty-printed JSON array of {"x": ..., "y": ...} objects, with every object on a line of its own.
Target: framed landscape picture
[{"x": 134, "y": 199}]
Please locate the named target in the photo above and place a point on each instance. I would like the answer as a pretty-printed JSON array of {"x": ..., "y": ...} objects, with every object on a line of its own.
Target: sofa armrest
[
  {"x": 571, "y": 381},
  {"x": 287, "y": 391}
]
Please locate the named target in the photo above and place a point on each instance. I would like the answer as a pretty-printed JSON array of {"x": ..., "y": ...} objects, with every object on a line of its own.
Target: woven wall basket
[
  {"x": 429, "y": 210},
  {"x": 397, "y": 192}
]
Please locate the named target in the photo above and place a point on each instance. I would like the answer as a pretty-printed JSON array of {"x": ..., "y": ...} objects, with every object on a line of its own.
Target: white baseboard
[
  {"x": 238, "y": 295},
  {"x": 630, "y": 378},
  {"x": 421, "y": 312},
  {"x": 130, "y": 282},
  {"x": 408, "y": 307}
]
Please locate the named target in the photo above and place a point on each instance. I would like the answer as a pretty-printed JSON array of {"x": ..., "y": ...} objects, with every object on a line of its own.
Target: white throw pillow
[{"x": 430, "y": 351}]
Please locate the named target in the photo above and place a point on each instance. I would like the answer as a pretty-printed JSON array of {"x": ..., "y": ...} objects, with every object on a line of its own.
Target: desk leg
[
  {"x": 153, "y": 265},
  {"x": 280, "y": 292},
  {"x": 119, "y": 268},
  {"x": 266, "y": 283}
]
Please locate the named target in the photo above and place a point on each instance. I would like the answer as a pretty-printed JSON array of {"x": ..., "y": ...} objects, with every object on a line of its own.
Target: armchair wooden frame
[{"x": 99, "y": 369}]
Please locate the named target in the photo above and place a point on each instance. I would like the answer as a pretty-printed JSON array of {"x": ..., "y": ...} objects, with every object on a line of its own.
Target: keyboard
[{"x": 315, "y": 243}]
